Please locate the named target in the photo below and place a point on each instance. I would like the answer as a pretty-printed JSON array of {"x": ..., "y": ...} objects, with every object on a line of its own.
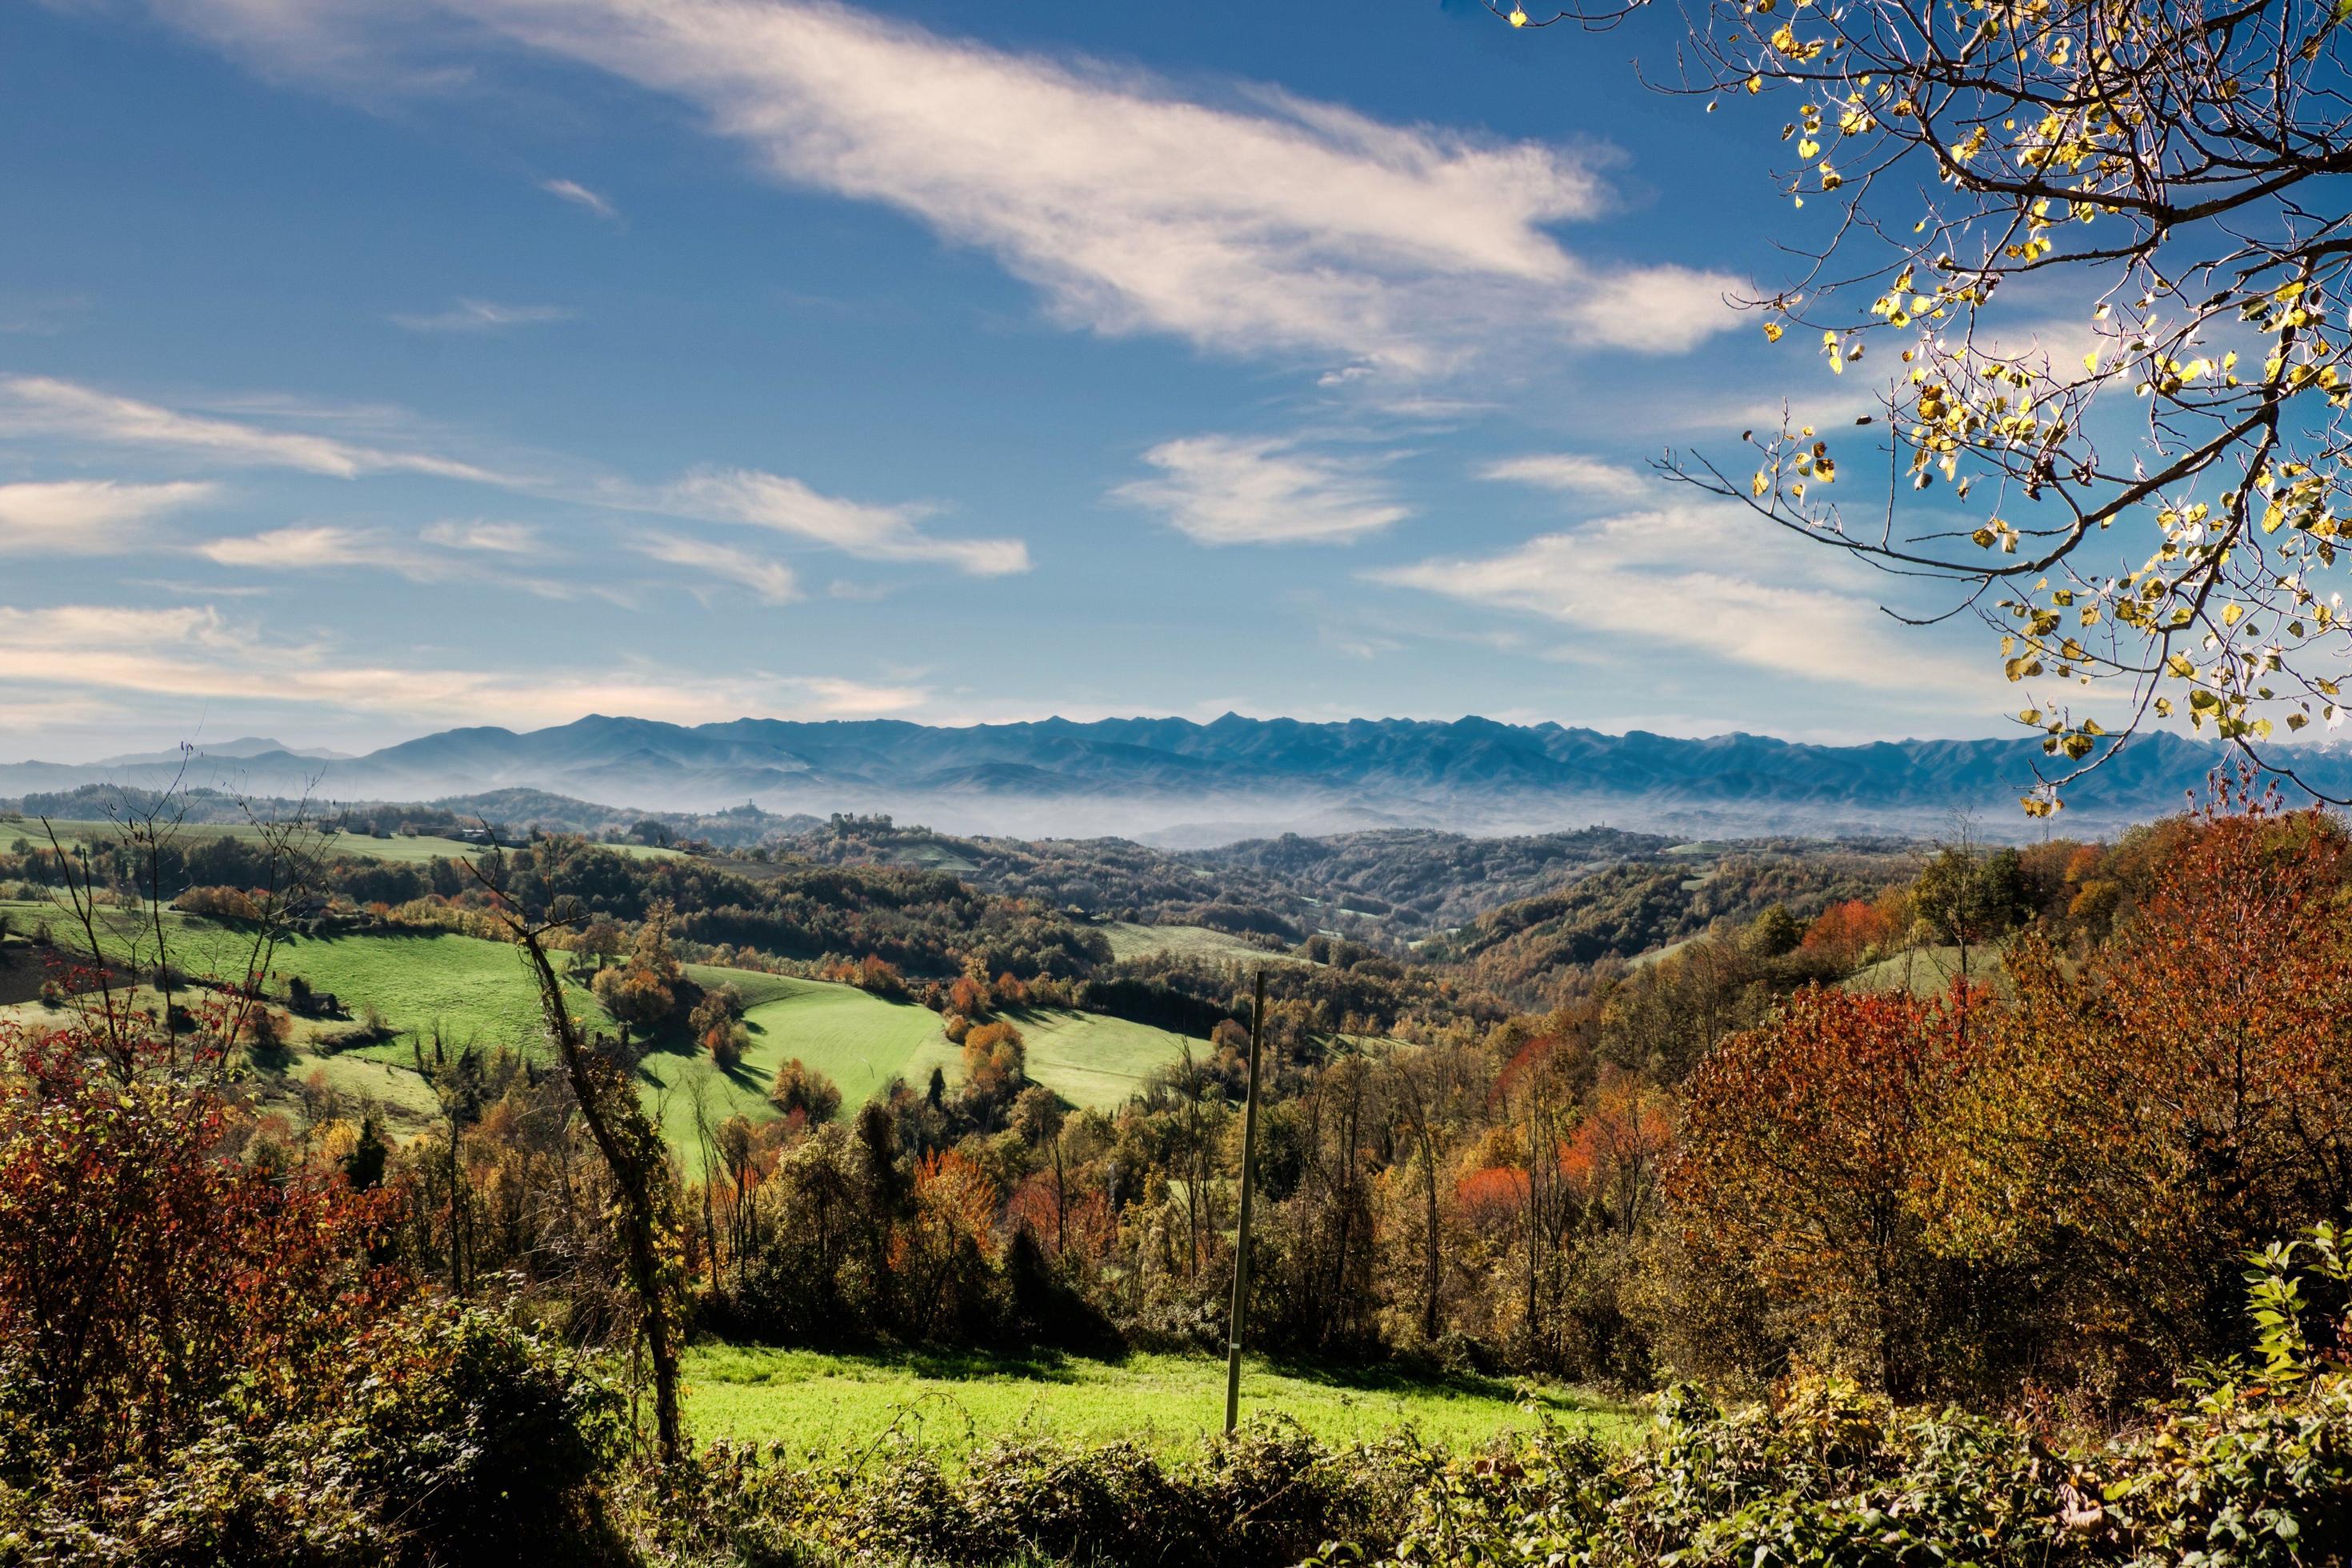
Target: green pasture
[
  {"x": 1929, "y": 970},
  {"x": 1088, "y": 1058},
  {"x": 931, "y": 857},
  {"x": 835, "y": 1405},
  {"x": 1129, "y": 940},
  {"x": 479, "y": 993},
  {"x": 859, "y": 1040},
  {"x": 862, "y": 1042}
]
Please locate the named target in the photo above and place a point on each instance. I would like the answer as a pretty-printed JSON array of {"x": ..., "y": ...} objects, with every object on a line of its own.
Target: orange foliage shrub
[
  {"x": 219, "y": 903},
  {"x": 2180, "y": 1095},
  {"x": 1842, "y": 933},
  {"x": 1807, "y": 1146}
]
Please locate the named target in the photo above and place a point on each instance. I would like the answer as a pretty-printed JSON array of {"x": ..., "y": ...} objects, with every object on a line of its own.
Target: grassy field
[
  {"x": 396, "y": 850},
  {"x": 1929, "y": 970},
  {"x": 832, "y": 1405},
  {"x": 858, "y": 1040},
  {"x": 1088, "y": 1058},
  {"x": 1129, "y": 939},
  {"x": 479, "y": 993},
  {"x": 862, "y": 1042}
]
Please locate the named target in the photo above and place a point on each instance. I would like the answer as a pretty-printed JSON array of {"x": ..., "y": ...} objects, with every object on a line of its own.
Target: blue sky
[{"x": 369, "y": 367}]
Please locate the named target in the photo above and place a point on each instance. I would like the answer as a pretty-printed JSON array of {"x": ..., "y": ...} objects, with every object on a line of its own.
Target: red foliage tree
[
  {"x": 2179, "y": 1095},
  {"x": 143, "y": 1268},
  {"x": 1844, "y": 931},
  {"x": 1807, "y": 1145}
]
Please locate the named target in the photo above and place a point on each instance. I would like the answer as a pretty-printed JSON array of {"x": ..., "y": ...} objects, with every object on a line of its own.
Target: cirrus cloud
[
  {"x": 1232, "y": 490},
  {"x": 770, "y": 580},
  {"x": 862, "y": 528},
  {"x": 88, "y": 517},
  {"x": 44, "y": 407},
  {"x": 1691, "y": 578},
  {"x": 55, "y": 410},
  {"x": 171, "y": 656},
  {"x": 580, "y": 195},
  {"x": 483, "y": 316},
  {"x": 1250, "y": 222},
  {"x": 1570, "y": 473}
]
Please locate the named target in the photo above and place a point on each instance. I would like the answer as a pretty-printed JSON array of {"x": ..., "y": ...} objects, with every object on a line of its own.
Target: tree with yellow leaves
[{"x": 2096, "y": 246}]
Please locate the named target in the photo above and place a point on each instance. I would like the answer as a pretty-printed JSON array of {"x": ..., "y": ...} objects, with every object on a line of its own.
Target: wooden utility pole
[{"x": 1238, "y": 1319}]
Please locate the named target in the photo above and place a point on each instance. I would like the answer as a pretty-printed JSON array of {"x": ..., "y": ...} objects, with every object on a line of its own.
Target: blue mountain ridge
[{"x": 1467, "y": 773}]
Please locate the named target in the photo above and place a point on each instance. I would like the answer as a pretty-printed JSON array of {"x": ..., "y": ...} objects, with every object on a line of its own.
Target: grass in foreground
[{"x": 832, "y": 1406}]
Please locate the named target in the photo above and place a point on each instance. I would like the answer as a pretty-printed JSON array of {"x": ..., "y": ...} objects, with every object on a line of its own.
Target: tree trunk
[{"x": 639, "y": 1164}]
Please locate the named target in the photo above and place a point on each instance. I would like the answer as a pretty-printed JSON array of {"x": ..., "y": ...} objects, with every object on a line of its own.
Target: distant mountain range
[
  {"x": 1178, "y": 782},
  {"x": 220, "y": 750}
]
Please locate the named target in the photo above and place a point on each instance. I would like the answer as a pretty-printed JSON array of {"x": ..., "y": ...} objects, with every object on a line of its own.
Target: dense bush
[
  {"x": 1266, "y": 1498},
  {"x": 447, "y": 1436}
]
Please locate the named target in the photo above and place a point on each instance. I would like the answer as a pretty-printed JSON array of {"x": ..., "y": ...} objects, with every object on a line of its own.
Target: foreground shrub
[
  {"x": 481, "y": 1440},
  {"x": 1268, "y": 1498},
  {"x": 449, "y": 1437},
  {"x": 2249, "y": 1467},
  {"x": 142, "y": 1275},
  {"x": 2235, "y": 1476}
]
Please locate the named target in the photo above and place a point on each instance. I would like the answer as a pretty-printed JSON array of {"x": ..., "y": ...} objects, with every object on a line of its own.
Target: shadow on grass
[
  {"x": 1375, "y": 1378},
  {"x": 946, "y": 1364},
  {"x": 1065, "y": 1367}
]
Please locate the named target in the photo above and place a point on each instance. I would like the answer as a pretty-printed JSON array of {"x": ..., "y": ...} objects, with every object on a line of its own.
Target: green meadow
[
  {"x": 839, "y": 1405},
  {"x": 1129, "y": 939},
  {"x": 859, "y": 1040},
  {"x": 862, "y": 1042},
  {"x": 1088, "y": 1058},
  {"x": 479, "y": 993},
  {"x": 1930, "y": 970}
]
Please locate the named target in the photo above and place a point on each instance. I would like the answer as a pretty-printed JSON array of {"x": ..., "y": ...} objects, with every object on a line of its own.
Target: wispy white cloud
[
  {"x": 438, "y": 553},
  {"x": 1251, "y": 222},
  {"x": 836, "y": 699},
  {"x": 195, "y": 653},
  {"x": 88, "y": 517},
  {"x": 771, "y": 581},
  {"x": 313, "y": 547},
  {"x": 1691, "y": 578},
  {"x": 497, "y": 537},
  {"x": 1652, "y": 309},
  {"x": 869, "y": 531},
  {"x": 1571, "y": 473},
  {"x": 483, "y": 316},
  {"x": 1232, "y": 490},
  {"x": 580, "y": 195},
  {"x": 40, "y": 315},
  {"x": 44, "y": 407}
]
